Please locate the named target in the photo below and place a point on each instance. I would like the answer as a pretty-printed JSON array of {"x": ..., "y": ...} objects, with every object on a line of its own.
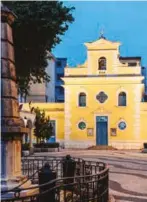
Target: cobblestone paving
[{"x": 128, "y": 172}]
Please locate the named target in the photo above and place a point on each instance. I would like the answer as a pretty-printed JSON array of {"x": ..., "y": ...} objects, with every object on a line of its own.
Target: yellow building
[{"x": 103, "y": 101}]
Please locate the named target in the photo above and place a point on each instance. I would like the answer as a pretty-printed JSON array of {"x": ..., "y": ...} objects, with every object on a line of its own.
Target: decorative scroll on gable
[{"x": 101, "y": 110}]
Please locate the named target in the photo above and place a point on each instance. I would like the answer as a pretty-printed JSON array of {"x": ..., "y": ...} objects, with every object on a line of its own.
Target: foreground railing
[{"x": 88, "y": 184}]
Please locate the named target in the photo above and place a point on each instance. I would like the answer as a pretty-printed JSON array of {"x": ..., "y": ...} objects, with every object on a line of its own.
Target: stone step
[{"x": 102, "y": 147}]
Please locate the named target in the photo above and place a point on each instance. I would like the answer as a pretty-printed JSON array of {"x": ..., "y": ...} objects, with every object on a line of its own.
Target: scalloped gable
[{"x": 102, "y": 44}]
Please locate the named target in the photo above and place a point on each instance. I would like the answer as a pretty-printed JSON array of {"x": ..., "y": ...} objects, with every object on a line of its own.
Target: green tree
[
  {"x": 43, "y": 127},
  {"x": 37, "y": 29}
]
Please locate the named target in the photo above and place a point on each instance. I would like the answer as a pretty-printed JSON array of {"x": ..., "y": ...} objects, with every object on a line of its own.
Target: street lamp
[
  {"x": 27, "y": 124},
  {"x": 25, "y": 136},
  {"x": 25, "y": 121}
]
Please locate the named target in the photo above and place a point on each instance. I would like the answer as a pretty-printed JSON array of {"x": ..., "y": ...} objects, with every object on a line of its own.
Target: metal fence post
[
  {"x": 45, "y": 176},
  {"x": 69, "y": 166}
]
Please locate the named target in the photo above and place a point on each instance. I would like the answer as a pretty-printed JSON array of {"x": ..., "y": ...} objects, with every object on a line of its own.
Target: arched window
[
  {"x": 122, "y": 100},
  {"x": 82, "y": 99},
  {"x": 102, "y": 63}
]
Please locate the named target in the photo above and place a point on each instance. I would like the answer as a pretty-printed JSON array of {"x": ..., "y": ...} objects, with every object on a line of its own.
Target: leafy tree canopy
[{"x": 37, "y": 29}]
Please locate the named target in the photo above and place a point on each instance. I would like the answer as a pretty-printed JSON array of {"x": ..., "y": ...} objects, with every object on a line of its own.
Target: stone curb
[{"x": 121, "y": 154}]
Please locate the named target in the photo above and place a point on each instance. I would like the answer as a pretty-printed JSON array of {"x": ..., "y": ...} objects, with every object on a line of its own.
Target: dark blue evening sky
[{"x": 122, "y": 21}]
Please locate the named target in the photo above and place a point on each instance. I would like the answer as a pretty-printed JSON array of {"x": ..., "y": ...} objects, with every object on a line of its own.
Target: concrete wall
[{"x": 50, "y": 86}]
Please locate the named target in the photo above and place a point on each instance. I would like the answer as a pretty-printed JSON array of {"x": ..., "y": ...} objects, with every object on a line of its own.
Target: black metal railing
[{"x": 88, "y": 184}]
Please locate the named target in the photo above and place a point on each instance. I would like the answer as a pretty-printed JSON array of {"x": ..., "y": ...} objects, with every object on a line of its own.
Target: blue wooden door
[
  {"x": 102, "y": 130},
  {"x": 53, "y": 137}
]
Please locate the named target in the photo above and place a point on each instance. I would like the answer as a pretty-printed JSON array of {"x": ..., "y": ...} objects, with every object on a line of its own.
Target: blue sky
[{"x": 122, "y": 21}]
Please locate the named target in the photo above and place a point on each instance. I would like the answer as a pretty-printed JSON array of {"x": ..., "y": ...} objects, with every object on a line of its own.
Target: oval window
[
  {"x": 122, "y": 125},
  {"x": 82, "y": 125}
]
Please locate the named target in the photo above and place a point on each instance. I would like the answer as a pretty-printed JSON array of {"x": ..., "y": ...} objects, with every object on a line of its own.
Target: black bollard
[
  {"x": 145, "y": 145},
  {"x": 45, "y": 176},
  {"x": 69, "y": 166}
]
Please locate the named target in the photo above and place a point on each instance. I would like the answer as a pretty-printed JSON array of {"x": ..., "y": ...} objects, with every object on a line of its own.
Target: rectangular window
[
  {"x": 60, "y": 90},
  {"x": 132, "y": 64},
  {"x": 59, "y": 76},
  {"x": 122, "y": 100},
  {"x": 46, "y": 98},
  {"x": 59, "y": 64},
  {"x": 53, "y": 134},
  {"x": 82, "y": 100},
  {"x": 53, "y": 123}
]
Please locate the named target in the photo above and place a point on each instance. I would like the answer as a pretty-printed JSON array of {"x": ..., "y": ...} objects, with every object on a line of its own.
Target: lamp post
[
  {"x": 25, "y": 121},
  {"x": 29, "y": 124}
]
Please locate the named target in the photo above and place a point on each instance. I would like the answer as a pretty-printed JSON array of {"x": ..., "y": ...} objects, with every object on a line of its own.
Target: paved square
[{"x": 128, "y": 171}]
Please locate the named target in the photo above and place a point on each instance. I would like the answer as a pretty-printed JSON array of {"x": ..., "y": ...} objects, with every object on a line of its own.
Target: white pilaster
[
  {"x": 115, "y": 63},
  {"x": 67, "y": 111},
  {"x": 137, "y": 99}
]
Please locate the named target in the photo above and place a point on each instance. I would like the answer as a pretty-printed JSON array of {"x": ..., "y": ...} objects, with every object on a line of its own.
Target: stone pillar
[{"x": 12, "y": 125}]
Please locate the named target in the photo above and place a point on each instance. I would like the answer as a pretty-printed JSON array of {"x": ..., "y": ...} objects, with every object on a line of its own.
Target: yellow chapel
[{"x": 104, "y": 101}]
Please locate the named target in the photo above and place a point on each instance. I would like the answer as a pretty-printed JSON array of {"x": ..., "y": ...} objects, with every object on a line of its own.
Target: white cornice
[{"x": 102, "y": 80}]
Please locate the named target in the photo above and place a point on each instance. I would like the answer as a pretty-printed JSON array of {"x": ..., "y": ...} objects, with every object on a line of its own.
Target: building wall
[
  {"x": 116, "y": 78},
  {"x": 144, "y": 73},
  {"x": 59, "y": 73},
  {"x": 51, "y": 91},
  {"x": 50, "y": 86},
  {"x": 56, "y": 112},
  {"x": 143, "y": 108},
  {"x": 77, "y": 138},
  {"x": 36, "y": 93},
  {"x": 88, "y": 79},
  {"x": 44, "y": 92}
]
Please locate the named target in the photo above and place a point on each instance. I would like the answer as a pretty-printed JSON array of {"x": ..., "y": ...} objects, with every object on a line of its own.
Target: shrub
[
  {"x": 145, "y": 145},
  {"x": 47, "y": 145},
  {"x": 25, "y": 147}
]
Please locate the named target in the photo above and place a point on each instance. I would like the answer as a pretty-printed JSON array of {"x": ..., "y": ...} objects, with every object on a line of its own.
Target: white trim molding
[
  {"x": 137, "y": 100},
  {"x": 83, "y": 144},
  {"x": 67, "y": 115},
  {"x": 108, "y": 128},
  {"x": 126, "y": 144}
]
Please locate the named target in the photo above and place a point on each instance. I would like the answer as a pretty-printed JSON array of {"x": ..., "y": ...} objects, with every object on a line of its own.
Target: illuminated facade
[{"x": 103, "y": 101}]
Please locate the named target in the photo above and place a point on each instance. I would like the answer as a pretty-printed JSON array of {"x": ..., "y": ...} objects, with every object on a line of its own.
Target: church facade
[{"x": 104, "y": 101}]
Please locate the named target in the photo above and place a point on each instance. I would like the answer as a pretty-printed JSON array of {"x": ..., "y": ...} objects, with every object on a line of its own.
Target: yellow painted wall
[
  {"x": 55, "y": 111},
  {"x": 87, "y": 78},
  {"x": 143, "y": 107},
  {"x": 110, "y": 108},
  {"x": 116, "y": 78}
]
